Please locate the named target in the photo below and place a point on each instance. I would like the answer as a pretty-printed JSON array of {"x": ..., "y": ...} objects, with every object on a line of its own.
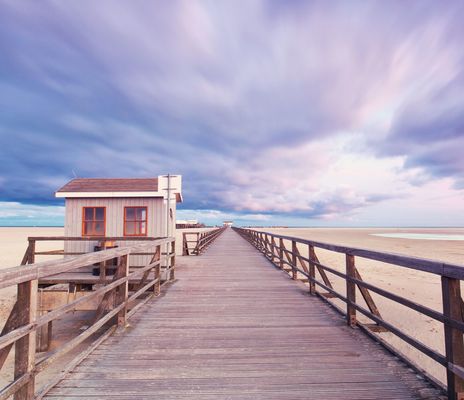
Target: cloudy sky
[{"x": 275, "y": 112}]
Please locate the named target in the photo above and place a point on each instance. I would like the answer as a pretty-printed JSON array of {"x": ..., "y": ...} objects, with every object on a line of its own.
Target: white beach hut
[{"x": 117, "y": 207}]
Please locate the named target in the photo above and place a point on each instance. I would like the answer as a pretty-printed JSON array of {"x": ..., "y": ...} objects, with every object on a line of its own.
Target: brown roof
[{"x": 111, "y": 185}]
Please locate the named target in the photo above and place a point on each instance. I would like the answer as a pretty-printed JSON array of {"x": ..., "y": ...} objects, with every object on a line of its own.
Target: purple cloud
[{"x": 265, "y": 108}]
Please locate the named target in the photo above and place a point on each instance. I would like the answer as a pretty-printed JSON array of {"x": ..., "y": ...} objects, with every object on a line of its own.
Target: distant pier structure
[
  {"x": 188, "y": 223},
  {"x": 227, "y": 223}
]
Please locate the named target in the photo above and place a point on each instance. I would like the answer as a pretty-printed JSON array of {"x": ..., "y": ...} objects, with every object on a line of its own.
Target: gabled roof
[
  {"x": 111, "y": 185},
  {"x": 122, "y": 187}
]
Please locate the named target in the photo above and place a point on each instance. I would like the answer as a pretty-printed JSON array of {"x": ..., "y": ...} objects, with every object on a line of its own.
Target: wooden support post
[
  {"x": 294, "y": 271},
  {"x": 43, "y": 339},
  {"x": 367, "y": 296},
  {"x": 312, "y": 269},
  {"x": 196, "y": 251},
  {"x": 350, "y": 291},
  {"x": 173, "y": 260},
  {"x": 267, "y": 245},
  {"x": 49, "y": 334},
  {"x": 274, "y": 250},
  {"x": 25, "y": 347},
  {"x": 123, "y": 289},
  {"x": 32, "y": 251},
  {"x": 157, "y": 287},
  {"x": 454, "y": 345},
  {"x": 185, "y": 251},
  {"x": 281, "y": 253},
  {"x": 29, "y": 255}
]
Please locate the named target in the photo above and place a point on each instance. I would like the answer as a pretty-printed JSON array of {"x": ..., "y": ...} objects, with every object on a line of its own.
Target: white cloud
[{"x": 17, "y": 212}]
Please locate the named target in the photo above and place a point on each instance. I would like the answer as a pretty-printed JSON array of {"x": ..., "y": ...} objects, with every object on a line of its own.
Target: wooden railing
[
  {"x": 31, "y": 250},
  {"x": 22, "y": 325},
  {"x": 200, "y": 241},
  {"x": 283, "y": 252}
]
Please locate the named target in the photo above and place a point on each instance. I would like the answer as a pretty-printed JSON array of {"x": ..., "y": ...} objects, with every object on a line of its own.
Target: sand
[
  {"x": 421, "y": 287},
  {"x": 418, "y": 286}
]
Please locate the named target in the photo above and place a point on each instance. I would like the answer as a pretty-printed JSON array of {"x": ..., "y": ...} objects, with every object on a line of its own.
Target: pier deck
[{"x": 233, "y": 327}]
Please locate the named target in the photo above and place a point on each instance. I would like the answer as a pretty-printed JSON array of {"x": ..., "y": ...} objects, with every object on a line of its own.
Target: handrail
[
  {"x": 274, "y": 247},
  {"x": 22, "y": 325},
  {"x": 31, "y": 250},
  {"x": 201, "y": 241}
]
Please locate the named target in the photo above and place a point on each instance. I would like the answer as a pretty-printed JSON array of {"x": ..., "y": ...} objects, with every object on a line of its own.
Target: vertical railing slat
[
  {"x": 294, "y": 271},
  {"x": 350, "y": 291},
  {"x": 454, "y": 344},
  {"x": 312, "y": 270},
  {"x": 26, "y": 346},
  {"x": 122, "y": 291}
]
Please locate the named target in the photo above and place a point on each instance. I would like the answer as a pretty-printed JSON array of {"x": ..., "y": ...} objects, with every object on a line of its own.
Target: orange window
[
  {"x": 93, "y": 221},
  {"x": 135, "y": 221}
]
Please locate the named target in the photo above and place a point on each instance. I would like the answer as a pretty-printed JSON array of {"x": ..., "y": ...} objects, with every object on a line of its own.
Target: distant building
[
  {"x": 228, "y": 223},
  {"x": 188, "y": 223},
  {"x": 134, "y": 208}
]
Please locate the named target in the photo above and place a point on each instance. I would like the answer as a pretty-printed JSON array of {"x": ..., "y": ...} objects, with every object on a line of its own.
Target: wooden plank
[
  {"x": 294, "y": 271},
  {"x": 312, "y": 270},
  {"x": 122, "y": 291},
  {"x": 231, "y": 327},
  {"x": 454, "y": 343},
  {"x": 25, "y": 347},
  {"x": 350, "y": 291}
]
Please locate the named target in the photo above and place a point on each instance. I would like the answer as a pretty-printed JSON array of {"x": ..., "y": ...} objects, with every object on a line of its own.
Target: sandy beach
[{"x": 421, "y": 287}]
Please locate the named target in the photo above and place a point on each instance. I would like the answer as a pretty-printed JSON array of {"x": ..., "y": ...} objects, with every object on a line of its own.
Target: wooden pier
[{"x": 231, "y": 326}]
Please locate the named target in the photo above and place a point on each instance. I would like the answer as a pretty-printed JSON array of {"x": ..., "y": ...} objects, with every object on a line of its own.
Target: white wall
[{"x": 156, "y": 220}]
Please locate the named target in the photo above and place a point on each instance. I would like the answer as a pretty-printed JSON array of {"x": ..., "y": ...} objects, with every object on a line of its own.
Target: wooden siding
[{"x": 156, "y": 222}]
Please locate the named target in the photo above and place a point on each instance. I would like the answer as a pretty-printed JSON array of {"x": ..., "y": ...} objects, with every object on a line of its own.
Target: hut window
[
  {"x": 93, "y": 221},
  {"x": 135, "y": 221}
]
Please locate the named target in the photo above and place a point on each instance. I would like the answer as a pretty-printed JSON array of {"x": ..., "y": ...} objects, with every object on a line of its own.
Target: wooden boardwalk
[{"x": 234, "y": 327}]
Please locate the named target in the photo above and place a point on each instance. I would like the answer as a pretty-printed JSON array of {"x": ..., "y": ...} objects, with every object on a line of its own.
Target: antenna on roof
[{"x": 74, "y": 173}]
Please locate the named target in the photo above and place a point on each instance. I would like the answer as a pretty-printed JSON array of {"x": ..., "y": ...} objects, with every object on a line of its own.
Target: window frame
[
  {"x": 136, "y": 221},
  {"x": 84, "y": 221}
]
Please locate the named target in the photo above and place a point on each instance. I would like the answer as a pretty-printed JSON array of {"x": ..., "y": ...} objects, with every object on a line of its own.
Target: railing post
[
  {"x": 184, "y": 244},
  {"x": 32, "y": 255},
  {"x": 273, "y": 250},
  {"x": 157, "y": 287},
  {"x": 29, "y": 255},
  {"x": 123, "y": 290},
  {"x": 197, "y": 246},
  {"x": 294, "y": 272},
  {"x": 454, "y": 345},
  {"x": 26, "y": 346},
  {"x": 281, "y": 253},
  {"x": 312, "y": 269},
  {"x": 173, "y": 259},
  {"x": 350, "y": 291}
]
